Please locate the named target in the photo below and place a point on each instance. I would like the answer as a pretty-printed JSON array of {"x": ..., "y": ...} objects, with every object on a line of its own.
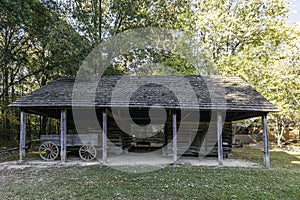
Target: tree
[
  {"x": 15, "y": 52},
  {"x": 252, "y": 40},
  {"x": 100, "y": 20},
  {"x": 281, "y": 82},
  {"x": 43, "y": 40},
  {"x": 36, "y": 47}
]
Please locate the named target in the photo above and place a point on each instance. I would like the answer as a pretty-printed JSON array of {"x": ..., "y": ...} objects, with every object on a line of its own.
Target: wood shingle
[{"x": 211, "y": 92}]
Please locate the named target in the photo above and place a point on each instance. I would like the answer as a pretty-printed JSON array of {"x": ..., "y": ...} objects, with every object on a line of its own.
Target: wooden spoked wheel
[
  {"x": 48, "y": 151},
  {"x": 87, "y": 152}
]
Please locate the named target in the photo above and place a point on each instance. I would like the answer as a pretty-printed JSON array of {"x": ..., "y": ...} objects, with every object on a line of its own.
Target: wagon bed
[{"x": 49, "y": 149}]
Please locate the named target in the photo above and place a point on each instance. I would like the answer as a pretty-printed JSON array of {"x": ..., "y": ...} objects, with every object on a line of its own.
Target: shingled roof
[
  {"x": 211, "y": 92},
  {"x": 172, "y": 92}
]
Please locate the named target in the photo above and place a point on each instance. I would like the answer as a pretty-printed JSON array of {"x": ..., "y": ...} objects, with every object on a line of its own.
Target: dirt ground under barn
[{"x": 130, "y": 160}]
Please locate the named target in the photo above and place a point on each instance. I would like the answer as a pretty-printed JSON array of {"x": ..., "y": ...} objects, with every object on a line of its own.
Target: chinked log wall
[
  {"x": 188, "y": 136},
  {"x": 118, "y": 139}
]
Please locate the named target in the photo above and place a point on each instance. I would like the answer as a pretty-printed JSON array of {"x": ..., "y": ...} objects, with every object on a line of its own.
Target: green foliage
[
  {"x": 100, "y": 20},
  {"x": 252, "y": 40},
  {"x": 177, "y": 64},
  {"x": 35, "y": 47}
]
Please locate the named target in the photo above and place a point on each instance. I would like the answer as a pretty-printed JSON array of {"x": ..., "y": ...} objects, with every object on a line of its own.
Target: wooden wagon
[{"x": 86, "y": 143}]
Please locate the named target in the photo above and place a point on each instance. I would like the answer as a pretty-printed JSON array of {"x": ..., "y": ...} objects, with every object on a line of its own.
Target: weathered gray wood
[
  {"x": 165, "y": 148},
  {"x": 220, "y": 142},
  {"x": 73, "y": 139},
  {"x": 63, "y": 135},
  {"x": 174, "y": 139},
  {"x": 22, "y": 135},
  {"x": 104, "y": 138},
  {"x": 249, "y": 99},
  {"x": 87, "y": 152},
  {"x": 266, "y": 143},
  {"x": 48, "y": 150}
]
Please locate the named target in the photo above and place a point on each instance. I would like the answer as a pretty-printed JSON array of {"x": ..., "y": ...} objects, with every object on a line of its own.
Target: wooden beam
[
  {"x": 63, "y": 135},
  {"x": 220, "y": 142},
  {"x": 22, "y": 135},
  {"x": 266, "y": 141},
  {"x": 174, "y": 139},
  {"x": 104, "y": 138}
]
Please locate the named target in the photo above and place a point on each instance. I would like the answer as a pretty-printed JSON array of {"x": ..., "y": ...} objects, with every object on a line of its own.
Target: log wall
[{"x": 118, "y": 140}]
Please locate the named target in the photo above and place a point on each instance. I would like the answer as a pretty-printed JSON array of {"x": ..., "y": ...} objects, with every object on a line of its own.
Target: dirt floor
[{"x": 130, "y": 159}]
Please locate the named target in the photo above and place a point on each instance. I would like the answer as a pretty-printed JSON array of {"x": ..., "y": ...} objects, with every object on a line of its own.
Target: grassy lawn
[{"x": 181, "y": 182}]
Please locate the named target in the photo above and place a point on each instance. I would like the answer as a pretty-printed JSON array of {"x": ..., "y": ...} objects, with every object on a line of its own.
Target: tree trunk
[
  {"x": 279, "y": 130},
  {"x": 279, "y": 136},
  {"x": 100, "y": 21}
]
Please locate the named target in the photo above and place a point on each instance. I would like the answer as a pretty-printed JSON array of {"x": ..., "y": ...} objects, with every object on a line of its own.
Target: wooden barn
[{"x": 111, "y": 114}]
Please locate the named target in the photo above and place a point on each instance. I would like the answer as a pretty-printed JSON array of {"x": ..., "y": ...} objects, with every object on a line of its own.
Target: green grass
[
  {"x": 279, "y": 159},
  {"x": 181, "y": 182}
]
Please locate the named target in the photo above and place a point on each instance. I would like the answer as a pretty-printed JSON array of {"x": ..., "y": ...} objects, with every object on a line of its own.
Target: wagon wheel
[
  {"x": 48, "y": 151},
  {"x": 87, "y": 152}
]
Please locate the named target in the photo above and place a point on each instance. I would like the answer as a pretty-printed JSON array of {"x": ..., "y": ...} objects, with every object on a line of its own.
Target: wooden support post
[
  {"x": 63, "y": 135},
  {"x": 165, "y": 148},
  {"x": 220, "y": 142},
  {"x": 22, "y": 135},
  {"x": 104, "y": 138},
  {"x": 174, "y": 139},
  {"x": 266, "y": 140}
]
